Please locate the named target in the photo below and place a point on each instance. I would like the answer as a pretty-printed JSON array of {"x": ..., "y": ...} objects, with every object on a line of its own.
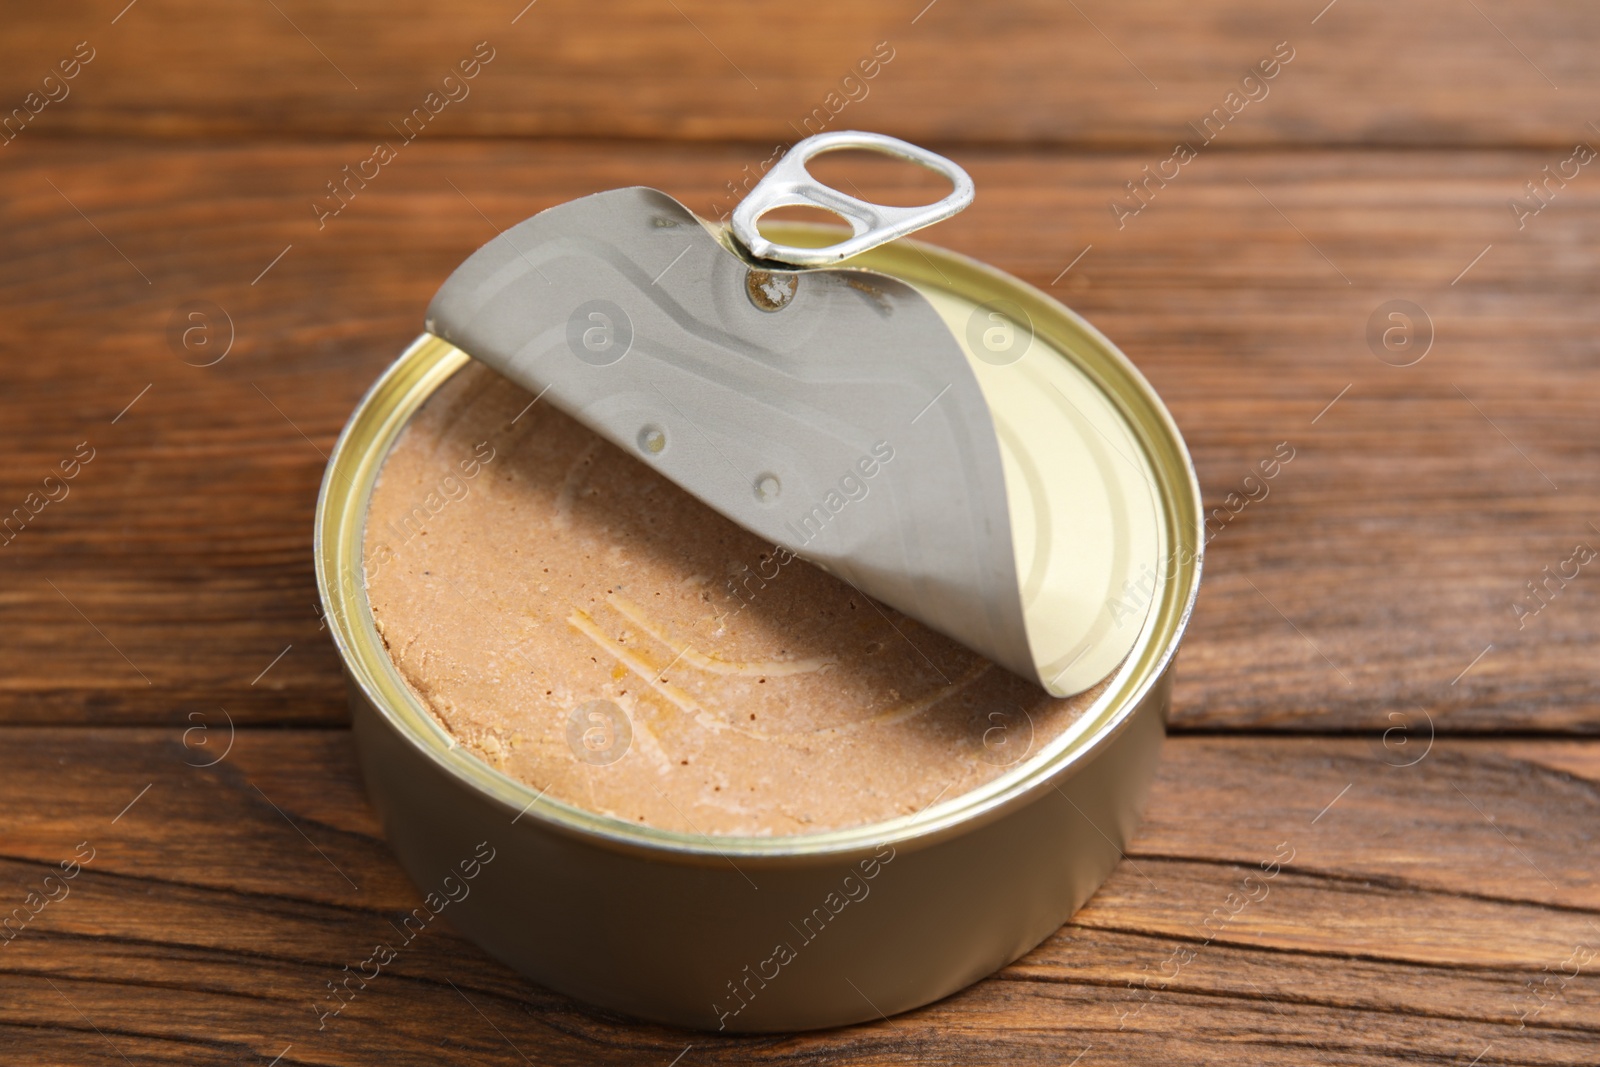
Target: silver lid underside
[{"x": 767, "y": 396}]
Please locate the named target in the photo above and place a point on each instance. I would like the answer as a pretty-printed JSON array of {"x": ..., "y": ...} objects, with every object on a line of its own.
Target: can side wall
[{"x": 697, "y": 946}]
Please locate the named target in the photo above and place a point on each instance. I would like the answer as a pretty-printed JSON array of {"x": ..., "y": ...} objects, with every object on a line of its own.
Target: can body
[
  {"x": 773, "y": 934},
  {"x": 692, "y": 943}
]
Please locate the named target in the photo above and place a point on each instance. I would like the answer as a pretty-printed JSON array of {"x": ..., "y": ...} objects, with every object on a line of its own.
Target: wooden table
[{"x": 1358, "y": 688}]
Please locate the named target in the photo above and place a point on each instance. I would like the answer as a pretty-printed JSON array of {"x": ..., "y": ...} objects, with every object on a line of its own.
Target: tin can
[{"x": 745, "y": 934}]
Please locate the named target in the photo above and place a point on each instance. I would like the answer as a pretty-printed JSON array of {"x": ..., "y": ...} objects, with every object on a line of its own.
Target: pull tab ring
[{"x": 788, "y": 184}]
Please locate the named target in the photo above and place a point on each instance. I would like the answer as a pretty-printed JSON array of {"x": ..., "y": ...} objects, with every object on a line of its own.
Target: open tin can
[{"x": 798, "y": 931}]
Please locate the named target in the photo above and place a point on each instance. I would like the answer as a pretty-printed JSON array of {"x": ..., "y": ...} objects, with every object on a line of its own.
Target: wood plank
[
  {"x": 1425, "y": 73},
  {"x": 1413, "y": 921},
  {"x": 1361, "y": 593}
]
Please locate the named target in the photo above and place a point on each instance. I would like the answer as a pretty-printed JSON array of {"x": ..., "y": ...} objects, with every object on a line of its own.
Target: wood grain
[
  {"x": 1358, "y": 594},
  {"x": 1415, "y": 917},
  {"x": 1434, "y": 72},
  {"x": 1357, "y": 687}
]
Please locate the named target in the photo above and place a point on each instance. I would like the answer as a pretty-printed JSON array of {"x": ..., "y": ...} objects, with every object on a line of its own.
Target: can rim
[{"x": 381, "y": 414}]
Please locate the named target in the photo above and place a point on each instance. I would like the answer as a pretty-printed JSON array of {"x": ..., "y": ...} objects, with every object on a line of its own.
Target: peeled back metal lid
[{"x": 829, "y": 410}]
